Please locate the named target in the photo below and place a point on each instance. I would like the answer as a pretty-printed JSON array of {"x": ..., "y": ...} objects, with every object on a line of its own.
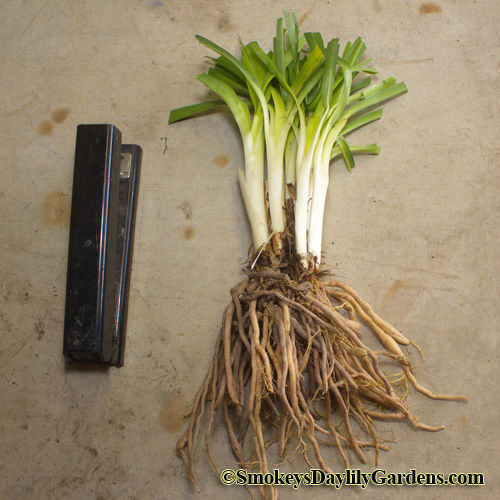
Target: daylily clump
[{"x": 289, "y": 363}]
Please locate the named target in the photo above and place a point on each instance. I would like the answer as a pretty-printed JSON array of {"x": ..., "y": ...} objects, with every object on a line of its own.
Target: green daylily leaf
[
  {"x": 329, "y": 72},
  {"x": 369, "y": 149},
  {"x": 224, "y": 76},
  {"x": 377, "y": 98},
  {"x": 292, "y": 27},
  {"x": 315, "y": 39},
  {"x": 346, "y": 153},
  {"x": 192, "y": 110},
  {"x": 362, "y": 120},
  {"x": 360, "y": 85},
  {"x": 238, "y": 107}
]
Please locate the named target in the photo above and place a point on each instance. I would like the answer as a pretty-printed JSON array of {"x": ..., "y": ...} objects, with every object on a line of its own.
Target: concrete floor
[{"x": 414, "y": 230}]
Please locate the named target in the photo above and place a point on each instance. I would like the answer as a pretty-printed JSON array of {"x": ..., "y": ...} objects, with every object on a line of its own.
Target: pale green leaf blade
[
  {"x": 362, "y": 120},
  {"x": 193, "y": 110},
  {"x": 346, "y": 153}
]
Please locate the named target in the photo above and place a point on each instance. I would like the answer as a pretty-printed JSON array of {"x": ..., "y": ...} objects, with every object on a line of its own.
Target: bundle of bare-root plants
[{"x": 290, "y": 371}]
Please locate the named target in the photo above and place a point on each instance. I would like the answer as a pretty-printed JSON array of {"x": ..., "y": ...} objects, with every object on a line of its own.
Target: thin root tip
[{"x": 442, "y": 397}]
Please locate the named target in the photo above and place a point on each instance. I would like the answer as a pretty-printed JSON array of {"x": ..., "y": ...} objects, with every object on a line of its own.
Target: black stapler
[{"x": 104, "y": 200}]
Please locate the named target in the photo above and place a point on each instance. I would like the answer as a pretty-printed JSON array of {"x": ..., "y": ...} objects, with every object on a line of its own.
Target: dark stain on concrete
[
  {"x": 221, "y": 160},
  {"x": 93, "y": 452},
  {"x": 188, "y": 233},
  {"x": 430, "y": 8},
  {"x": 45, "y": 128},
  {"x": 60, "y": 115},
  {"x": 224, "y": 23},
  {"x": 56, "y": 209}
]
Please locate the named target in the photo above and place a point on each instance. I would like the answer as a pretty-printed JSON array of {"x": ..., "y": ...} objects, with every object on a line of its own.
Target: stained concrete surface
[{"x": 414, "y": 230}]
